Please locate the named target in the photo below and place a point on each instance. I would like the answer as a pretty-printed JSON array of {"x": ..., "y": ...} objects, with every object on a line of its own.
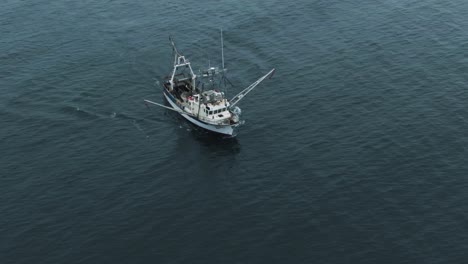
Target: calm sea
[{"x": 355, "y": 152}]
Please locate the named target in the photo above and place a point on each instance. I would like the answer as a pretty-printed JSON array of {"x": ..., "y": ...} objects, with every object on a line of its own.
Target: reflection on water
[{"x": 216, "y": 143}]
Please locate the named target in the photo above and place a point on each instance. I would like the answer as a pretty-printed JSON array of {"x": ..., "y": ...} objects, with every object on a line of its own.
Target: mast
[
  {"x": 222, "y": 49},
  {"x": 223, "y": 79}
]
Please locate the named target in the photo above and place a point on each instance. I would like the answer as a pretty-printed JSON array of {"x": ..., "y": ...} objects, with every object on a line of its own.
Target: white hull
[{"x": 225, "y": 130}]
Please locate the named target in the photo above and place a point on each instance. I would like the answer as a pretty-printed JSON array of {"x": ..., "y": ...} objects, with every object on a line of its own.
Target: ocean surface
[{"x": 355, "y": 152}]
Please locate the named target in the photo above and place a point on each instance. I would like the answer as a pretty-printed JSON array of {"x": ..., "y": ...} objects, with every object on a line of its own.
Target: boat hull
[{"x": 228, "y": 130}]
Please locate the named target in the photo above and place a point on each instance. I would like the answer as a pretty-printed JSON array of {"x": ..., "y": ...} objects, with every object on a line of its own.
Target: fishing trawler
[{"x": 205, "y": 108}]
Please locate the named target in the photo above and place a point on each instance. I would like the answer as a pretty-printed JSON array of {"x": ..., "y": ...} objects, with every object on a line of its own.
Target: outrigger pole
[
  {"x": 247, "y": 90},
  {"x": 167, "y": 107}
]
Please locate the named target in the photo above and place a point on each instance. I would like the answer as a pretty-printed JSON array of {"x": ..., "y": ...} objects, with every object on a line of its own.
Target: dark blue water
[{"x": 355, "y": 152}]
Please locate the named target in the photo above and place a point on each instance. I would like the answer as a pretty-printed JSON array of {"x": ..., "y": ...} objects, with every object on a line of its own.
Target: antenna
[{"x": 222, "y": 49}]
